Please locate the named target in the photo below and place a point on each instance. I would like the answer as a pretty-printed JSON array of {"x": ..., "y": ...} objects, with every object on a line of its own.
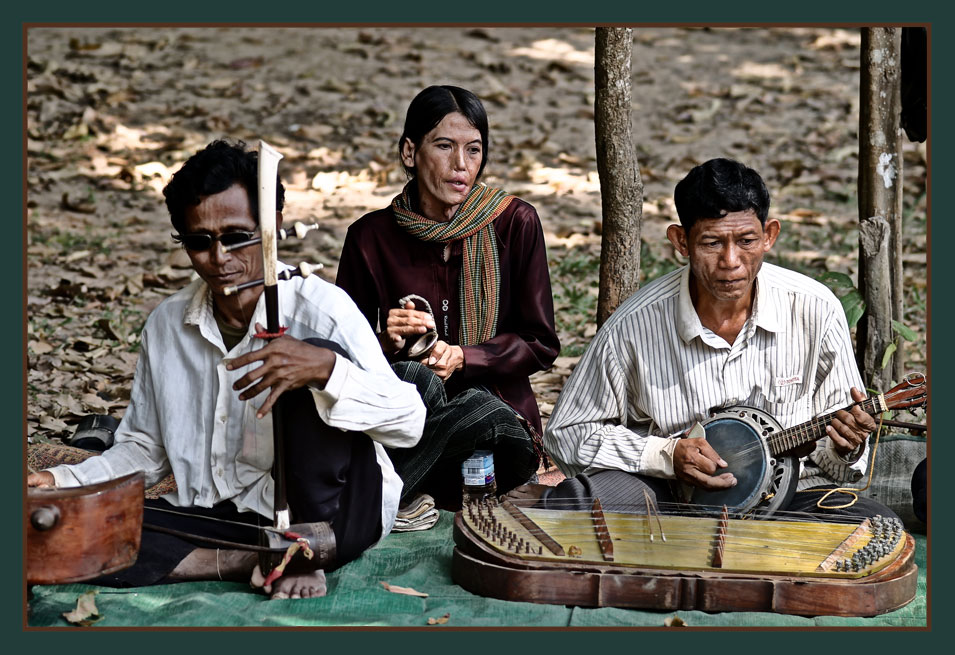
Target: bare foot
[
  {"x": 292, "y": 585},
  {"x": 215, "y": 564},
  {"x": 527, "y": 494}
]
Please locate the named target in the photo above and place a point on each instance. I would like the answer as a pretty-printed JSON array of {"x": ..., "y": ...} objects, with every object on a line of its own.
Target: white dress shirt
[
  {"x": 653, "y": 371},
  {"x": 185, "y": 418}
]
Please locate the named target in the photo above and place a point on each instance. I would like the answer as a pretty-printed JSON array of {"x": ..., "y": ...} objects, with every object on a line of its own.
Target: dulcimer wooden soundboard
[{"x": 667, "y": 562}]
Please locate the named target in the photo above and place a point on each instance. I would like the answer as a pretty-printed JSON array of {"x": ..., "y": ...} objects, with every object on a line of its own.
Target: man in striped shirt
[{"x": 724, "y": 330}]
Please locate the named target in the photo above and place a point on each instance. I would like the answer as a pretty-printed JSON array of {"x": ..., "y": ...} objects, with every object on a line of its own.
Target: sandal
[{"x": 94, "y": 432}]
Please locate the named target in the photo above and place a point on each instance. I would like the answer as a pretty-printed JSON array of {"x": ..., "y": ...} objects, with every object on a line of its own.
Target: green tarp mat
[{"x": 420, "y": 560}]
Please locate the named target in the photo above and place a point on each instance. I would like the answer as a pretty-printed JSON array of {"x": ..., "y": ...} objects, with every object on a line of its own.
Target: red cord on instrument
[
  {"x": 271, "y": 335},
  {"x": 301, "y": 543}
]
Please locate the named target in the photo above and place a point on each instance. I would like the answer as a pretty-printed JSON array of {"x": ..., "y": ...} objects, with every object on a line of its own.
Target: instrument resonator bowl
[{"x": 78, "y": 533}]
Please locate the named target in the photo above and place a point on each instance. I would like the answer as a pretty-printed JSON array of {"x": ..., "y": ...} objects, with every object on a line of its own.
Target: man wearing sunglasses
[{"x": 205, "y": 386}]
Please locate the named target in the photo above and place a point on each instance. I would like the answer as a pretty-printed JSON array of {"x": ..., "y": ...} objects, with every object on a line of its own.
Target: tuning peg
[
  {"x": 301, "y": 229},
  {"x": 304, "y": 269}
]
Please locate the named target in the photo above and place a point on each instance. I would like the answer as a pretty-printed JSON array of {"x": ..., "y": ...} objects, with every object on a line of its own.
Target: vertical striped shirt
[{"x": 654, "y": 370}]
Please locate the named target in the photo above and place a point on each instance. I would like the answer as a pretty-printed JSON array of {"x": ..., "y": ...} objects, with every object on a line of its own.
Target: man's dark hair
[
  {"x": 430, "y": 106},
  {"x": 212, "y": 170},
  {"x": 718, "y": 187}
]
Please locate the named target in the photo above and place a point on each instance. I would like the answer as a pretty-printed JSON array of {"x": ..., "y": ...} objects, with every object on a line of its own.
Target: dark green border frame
[{"x": 429, "y": 12}]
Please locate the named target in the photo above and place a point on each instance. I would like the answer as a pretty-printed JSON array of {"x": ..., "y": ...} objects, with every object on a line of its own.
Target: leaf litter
[{"x": 113, "y": 112}]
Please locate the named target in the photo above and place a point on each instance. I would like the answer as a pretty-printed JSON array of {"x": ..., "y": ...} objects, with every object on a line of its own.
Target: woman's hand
[
  {"x": 403, "y": 323},
  {"x": 444, "y": 359}
]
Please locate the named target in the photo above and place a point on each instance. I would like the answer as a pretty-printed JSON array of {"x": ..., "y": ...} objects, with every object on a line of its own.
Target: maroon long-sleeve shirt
[{"x": 381, "y": 263}]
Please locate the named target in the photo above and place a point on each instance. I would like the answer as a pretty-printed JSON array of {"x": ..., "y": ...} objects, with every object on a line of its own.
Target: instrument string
[
  {"x": 200, "y": 517},
  {"x": 255, "y": 344},
  {"x": 807, "y": 541},
  {"x": 807, "y": 545},
  {"x": 778, "y": 441},
  {"x": 812, "y": 538},
  {"x": 851, "y": 491},
  {"x": 676, "y": 531},
  {"x": 758, "y": 550},
  {"x": 819, "y": 423},
  {"x": 814, "y": 547},
  {"x": 652, "y": 505},
  {"x": 818, "y": 535},
  {"x": 683, "y": 510}
]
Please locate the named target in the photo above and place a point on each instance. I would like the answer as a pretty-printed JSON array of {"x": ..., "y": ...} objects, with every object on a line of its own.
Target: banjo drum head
[{"x": 735, "y": 436}]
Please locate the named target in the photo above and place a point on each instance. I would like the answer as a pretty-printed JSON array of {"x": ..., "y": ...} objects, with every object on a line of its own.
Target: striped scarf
[{"x": 479, "y": 291}]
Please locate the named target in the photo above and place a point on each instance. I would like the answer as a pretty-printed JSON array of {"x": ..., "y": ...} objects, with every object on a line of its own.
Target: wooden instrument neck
[{"x": 815, "y": 428}]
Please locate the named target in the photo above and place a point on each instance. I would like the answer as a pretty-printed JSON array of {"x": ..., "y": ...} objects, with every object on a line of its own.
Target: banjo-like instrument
[{"x": 758, "y": 450}]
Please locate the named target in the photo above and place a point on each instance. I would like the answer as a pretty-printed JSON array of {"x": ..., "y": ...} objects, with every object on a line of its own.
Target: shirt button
[
  {"x": 222, "y": 419},
  {"x": 219, "y": 472}
]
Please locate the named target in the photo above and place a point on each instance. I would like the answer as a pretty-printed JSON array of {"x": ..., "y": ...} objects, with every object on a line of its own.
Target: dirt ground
[{"x": 112, "y": 113}]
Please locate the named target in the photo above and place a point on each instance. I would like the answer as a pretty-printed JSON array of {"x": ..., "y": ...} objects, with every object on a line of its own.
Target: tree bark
[
  {"x": 874, "y": 237},
  {"x": 880, "y": 195},
  {"x": 621, "y": 189}
]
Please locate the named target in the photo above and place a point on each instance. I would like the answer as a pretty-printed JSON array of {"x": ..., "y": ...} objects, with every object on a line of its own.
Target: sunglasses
[{"x": 199, "y": 241}]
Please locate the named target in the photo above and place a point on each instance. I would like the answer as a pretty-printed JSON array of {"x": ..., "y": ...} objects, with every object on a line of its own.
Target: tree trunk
[
  {"x": 874, "y": 237},
  {"x": 621, "y": 189},
  {"x": 880, "y": 198}
]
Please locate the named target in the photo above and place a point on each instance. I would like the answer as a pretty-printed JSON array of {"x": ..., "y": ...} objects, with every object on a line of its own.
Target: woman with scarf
[{"x": 460, "y": 265}]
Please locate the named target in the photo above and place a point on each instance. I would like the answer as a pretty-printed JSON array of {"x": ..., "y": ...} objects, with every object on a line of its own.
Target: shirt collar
[
  {"x": 687, "y": 320},
  {"x": 199, "y": 312},
  {"x": 765, "y": 313},
  {"x": 199, "y": 309}
]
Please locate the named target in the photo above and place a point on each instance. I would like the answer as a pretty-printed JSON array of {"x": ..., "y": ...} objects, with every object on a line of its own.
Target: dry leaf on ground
[
  {"x": 85, "y": 608},
  {"x": 408, "y": 591},
  {"x": 111, "y": 114}
]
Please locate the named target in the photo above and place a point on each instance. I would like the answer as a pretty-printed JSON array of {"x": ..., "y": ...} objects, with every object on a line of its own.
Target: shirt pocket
[
  {"x": 786, "y": 399},
  {"x": 256, "y": 447},
  {"x": 790, "y": 409}
]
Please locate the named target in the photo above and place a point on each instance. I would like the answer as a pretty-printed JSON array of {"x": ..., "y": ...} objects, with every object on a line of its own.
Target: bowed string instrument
[{"x": 100, "y": 525}]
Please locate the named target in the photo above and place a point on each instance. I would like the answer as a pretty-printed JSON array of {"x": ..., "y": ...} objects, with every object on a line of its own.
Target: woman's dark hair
[
  {"x": 434, "y": 103},
  {"x": 717, "y": 187},
  {"x": 212, "y": 170}
]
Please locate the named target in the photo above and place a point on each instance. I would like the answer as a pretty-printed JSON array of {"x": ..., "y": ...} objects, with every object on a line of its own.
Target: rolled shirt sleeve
[
  {"x": 837, "y": 373},
  {"x": 387, "y": 410}
]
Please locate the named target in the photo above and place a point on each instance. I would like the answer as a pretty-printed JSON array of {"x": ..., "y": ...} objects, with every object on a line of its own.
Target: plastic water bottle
[{"x": 478, "y": 473}]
